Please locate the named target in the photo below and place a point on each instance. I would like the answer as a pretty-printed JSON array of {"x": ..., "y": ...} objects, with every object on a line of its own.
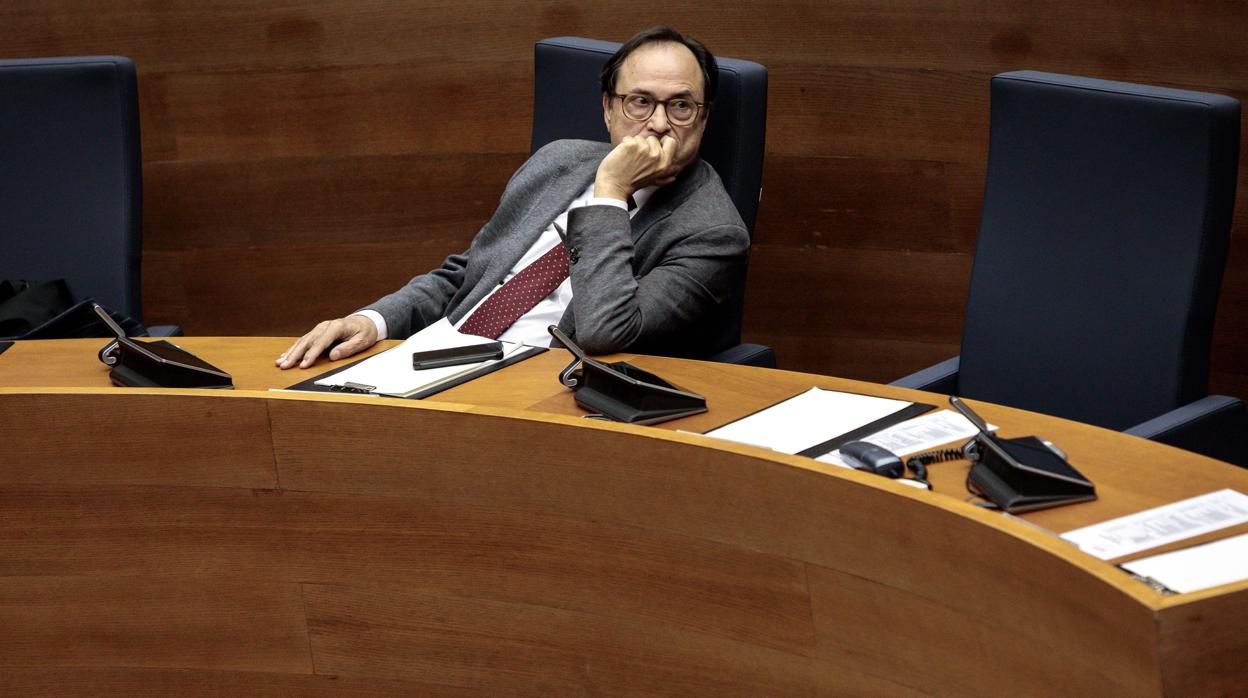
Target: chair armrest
[
  {"x": 940, "y": 378},
  {"x": 747, "y": 355},
  {"x": 164, "y": 331},
  {"x": 1214, "y": 426}
]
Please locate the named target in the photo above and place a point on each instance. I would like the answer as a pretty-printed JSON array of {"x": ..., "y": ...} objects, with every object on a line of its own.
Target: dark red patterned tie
[{"x": 518, "y": 295}]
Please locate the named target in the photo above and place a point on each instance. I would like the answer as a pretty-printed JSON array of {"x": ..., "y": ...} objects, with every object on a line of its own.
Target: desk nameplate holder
[
  {"x": 622, "y": 392},
  {"x": 159, "y": 364}
]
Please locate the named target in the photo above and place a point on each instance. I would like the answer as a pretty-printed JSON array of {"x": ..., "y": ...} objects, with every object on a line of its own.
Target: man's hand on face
[
  {"x": 638, "y": 161},
  {"x": 354, "y": 332}
]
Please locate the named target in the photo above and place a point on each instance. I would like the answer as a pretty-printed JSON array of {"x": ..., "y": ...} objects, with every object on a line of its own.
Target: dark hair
[{"x": 662, "y": 34}]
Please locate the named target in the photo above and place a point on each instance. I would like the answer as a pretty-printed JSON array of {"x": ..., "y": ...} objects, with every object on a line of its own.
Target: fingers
[
  {"x": 661, "y": 152},
  {"x": 321, "y": 342},
  {"x": 298, "y": 352},
  {"x": 294, "y": 354},
  {"x": 669, "y": 149},
  {"x": 654, "y": 148},
  {"x": 645, "y": 153},
  {"x": 358, "y": 339},
  {"x": 636, "y": 162},
  {"x": 665, "y": 170},
  {"x": 355, "y": 332},
  {"x": 667, "y": 154}
]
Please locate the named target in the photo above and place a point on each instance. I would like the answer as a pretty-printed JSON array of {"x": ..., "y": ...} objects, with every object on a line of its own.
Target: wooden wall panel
[
  {"x": 61, "y": 682},
  {"x": 359, "y": 110},
  {"x": 344, "y": 199},
  {"x": 302, "y": 158}
]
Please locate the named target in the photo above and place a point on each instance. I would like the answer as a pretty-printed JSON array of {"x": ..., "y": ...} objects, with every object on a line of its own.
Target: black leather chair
[
  {"x": 567, "y": 103},
  {"x": 1102, "y": 241},
  {"x": 71, "y": 179}
]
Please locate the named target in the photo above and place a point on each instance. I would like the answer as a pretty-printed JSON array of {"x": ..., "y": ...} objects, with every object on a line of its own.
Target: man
[{"x": 648, "y": 277}]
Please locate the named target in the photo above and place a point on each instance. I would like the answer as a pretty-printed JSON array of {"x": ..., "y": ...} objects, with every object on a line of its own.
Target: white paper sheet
[
  {"x": 390, "y": 372},
  {"x": 1201, "y": 567},
  {"x": 923, "y": 433},
  {"x": 1162, "y": 525},
  {"x": 807, "y": 420}
]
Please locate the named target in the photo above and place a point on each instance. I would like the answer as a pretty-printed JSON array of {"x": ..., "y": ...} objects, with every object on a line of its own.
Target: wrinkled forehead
[{"x": 663, "y": 69}]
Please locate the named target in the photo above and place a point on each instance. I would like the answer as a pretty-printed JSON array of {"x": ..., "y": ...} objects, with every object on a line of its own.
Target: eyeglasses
[{"x": 681, "y": 111}]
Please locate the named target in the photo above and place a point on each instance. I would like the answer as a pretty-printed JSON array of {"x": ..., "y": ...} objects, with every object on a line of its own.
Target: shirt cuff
[
  {"x": 599, "y": 201},
  {"x": 377, "y": 319}
]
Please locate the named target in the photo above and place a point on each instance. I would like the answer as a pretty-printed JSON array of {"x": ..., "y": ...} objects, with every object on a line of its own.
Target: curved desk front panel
[{"x": 201, "y": 542}]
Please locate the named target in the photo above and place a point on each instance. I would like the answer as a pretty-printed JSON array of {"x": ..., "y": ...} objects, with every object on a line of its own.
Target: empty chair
[
  {"x": 1102, "y": 242},
  {"x": 71, "y": 177}
]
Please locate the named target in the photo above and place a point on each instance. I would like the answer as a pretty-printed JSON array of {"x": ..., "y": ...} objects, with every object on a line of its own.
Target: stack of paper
[
  {"x": 1188, "y": 518},
  {"x": 808, "y": 419},
  {"x": 1200, "y": 567}
]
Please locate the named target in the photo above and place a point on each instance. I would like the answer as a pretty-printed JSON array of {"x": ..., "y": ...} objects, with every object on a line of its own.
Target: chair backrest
[
  {"x": 567, "y": 103},
  {"x": 1102, "y": 242},
  {"x": 71, "y": 177}
]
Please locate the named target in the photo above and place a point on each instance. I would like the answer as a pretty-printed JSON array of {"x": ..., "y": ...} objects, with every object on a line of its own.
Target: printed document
[
  {"x": 807, "y": 420},
  {"x": 921, "y": 433},
  {"x": 1201, "y": 567},
  {"x": 1162, "y": 525}
]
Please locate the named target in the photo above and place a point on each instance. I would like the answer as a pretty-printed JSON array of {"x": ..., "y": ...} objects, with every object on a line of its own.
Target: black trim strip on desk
[{"x": 908, "y": 412}]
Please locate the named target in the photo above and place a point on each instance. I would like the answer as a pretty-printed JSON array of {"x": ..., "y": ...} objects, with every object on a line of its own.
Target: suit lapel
[
  {"x": 667, "y": 199},
  {"x": 566, "y": 182}
]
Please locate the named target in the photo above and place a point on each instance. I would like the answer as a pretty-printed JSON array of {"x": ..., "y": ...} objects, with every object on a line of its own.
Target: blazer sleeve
[
  {"x": 424, "y": 299},
  {"x": 700, "y": 260}
]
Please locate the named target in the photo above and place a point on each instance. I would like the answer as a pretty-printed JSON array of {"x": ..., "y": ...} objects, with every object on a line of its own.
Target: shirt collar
[{"x": 641, "y": 196}]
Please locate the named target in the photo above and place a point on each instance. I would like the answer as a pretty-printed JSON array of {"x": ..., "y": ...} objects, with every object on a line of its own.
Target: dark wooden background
[{"x": 303, "y": 158}]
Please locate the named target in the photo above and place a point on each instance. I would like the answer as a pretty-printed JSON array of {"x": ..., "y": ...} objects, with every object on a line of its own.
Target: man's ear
[{"x": 606, "y": 110}]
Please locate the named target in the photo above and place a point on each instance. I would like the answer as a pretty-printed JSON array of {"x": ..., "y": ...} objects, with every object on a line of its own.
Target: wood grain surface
[
  {"x": 490, "y": 540},
  {"x": 303, "y": 158}
]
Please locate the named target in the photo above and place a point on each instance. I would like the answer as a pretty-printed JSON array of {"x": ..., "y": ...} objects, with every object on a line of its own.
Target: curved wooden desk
[{"x": 491, "y": 541}]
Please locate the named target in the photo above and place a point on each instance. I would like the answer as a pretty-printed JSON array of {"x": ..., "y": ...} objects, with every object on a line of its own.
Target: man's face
[{"x": 661, "y": 71}]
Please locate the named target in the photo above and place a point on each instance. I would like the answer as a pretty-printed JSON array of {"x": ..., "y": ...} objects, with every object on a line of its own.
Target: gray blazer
[{"x": 657, "y": 283}]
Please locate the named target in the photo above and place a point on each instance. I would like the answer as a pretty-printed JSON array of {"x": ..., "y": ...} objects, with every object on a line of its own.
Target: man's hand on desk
[{"x": 353, "y": 333}]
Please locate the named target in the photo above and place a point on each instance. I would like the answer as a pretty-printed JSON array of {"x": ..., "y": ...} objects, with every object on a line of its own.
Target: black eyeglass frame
[{"x": 654, "y": 105}]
